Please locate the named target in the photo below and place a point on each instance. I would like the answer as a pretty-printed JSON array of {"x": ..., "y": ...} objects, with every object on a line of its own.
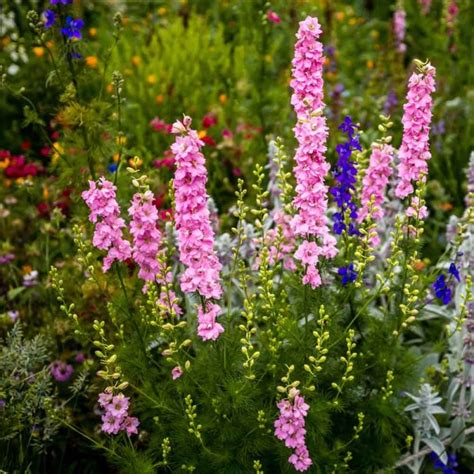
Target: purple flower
[
  {"x": 348, "y": 274},
  {"x": 446, "y": 468},
  {"x": 6, "y": 258},
  {"x": 454, "y": 271},
  {"x": 49, "y": 18},
  {"x": 13, "y": 315},
  {"x": 61, "y": 371},
  {"x": 30, "y": 279},
  {"x": 442, "y": 291},
  {"x": 73, "y": 28},
  {"x": 391, "y": 103},
  {"x": 57, "y": 2},
  {"x": 345, "y": 176}
]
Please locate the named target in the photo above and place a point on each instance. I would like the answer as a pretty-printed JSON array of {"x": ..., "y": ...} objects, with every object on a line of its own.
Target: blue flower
[
  {"x": 112, "y": 167},
  {"x": 64, "y": 2},
  {"x": 348, "y": 274},
  {"x": 73, "y": 28},
  {"x": 442, "y": 291},
  {"x": 345, "y": 176},
  {"x": 454, "y": 271},
  {"x": 446, "y": 468},
  {"x": 49, "y": 18}
]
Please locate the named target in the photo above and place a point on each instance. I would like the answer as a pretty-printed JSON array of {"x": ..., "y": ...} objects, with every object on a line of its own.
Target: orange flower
[
  {"x": 110, "y": 88},
  {"x": 419, "y": 265},
  {"x": 159, "y": 99},
  {"x": 92, "y": 32},
  {"x": 135, "y": 162},
  {"x": 202, "y": 133},
  {"x": 370, "y": 64},
  {"x": 39, "y": 51},
  {"x": 25, "y": 269},
  {"x": 45, "y": 192},
  {"x": 136, "y": 61},
  {"x": 446, "y": 206},
  {"x": 222, "y": 99},
  {"x": 91, "y": 61},
  {"x": 340, "y": 16}
]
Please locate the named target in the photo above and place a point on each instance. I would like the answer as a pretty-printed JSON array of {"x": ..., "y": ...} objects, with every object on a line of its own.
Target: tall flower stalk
[
  {"x": 310, "y": 221},
  {"x": 193, "y": 226}
]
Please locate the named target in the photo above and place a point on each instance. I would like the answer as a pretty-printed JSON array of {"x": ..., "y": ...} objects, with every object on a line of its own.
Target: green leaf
[{"x": 13, "y": 293}]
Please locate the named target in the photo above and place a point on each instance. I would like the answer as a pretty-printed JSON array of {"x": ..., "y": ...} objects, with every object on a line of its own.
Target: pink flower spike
[{"x": 414, "y": 151}]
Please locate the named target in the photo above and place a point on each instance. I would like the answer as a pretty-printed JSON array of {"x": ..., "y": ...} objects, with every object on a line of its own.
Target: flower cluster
[
  {"x": 290, "y": 428},
  {"x": 72, "y": 28},
  {"x": 16, "y": 166},
  {"x": 375, "y": 181},
  {"x": 441, "y": 288},
  {"x": 146, "y": 235},
  {"x": 348, "y": 274},
  {"x": 101, "y": 200},
  {"x": 115, "y": 417},
  {"x": 414, "y": 151},
  {"x": 193, "y": 226},
  {"x": 345, "y": 177},
  {"x": 310, "y": 221},
  {"x": 399, "y": 29}
]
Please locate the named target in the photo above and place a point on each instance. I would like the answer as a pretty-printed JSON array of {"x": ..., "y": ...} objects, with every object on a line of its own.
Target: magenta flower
[
  {"x": 101, "y": 200},
  {"x": 310, "y": 221},
  {"x": 111, "y": 424},
  {"x": 414, "y": 151},
  {"x": 273, "y": 17},
  {"x": 61, "y": 371},
  {"x": 119, "y": 405}
]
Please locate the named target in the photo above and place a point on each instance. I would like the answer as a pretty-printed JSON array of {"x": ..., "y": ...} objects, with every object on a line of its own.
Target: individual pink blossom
[
  {"x": 414, "y": 151},
  {"x": 193, "y": 226},
  {"x": 451, "y": 16},
  {"x": 130, "y": 425},
  {"x": 310, "y": 221},
  {"x": 119, "y": 405},
  {"x": 290, "y": 428},
  {"x": 111, "y": 424},
  {"x": 273, "y": 17},
  {"x": 399, "y": 29},
  {"x": 176, "y": 372},
  {"x": 105, "y": 213},
  {"x": 375, "y": 180},
  {"x": 146, "y": 235},
  {"x": 208, "y": 327},
  {"x": 415, "y": 210}
]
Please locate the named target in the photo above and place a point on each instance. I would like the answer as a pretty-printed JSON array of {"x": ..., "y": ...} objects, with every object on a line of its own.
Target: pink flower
[
  {"x": 375, "y": 182},
  {"x": 193, "y": 224},
  {"x": 399, "y": 28},
  {"x": 273, "y": 17},
  {"x": 159, "y": 125},
  {"x": 61, "y": 371},
  {"x": 415, "y": 210},
  {"x": 105, "y": 398},
  {"x": 310, "y": 221},
  {"x": 146, "y": 235},
  {"x": 208, "y": 328},
  {"x": 176, "y": 372},
  {"x": 290, "y": 428},
  {"x": 130, "y": 425},
  {"x": 425, "y": 6},
  {"x": 105, "y": 212},
  {"x": 414, "y": 151},
  {"x": 110, "y": 423},
  {"x": 119, "y": 405}
]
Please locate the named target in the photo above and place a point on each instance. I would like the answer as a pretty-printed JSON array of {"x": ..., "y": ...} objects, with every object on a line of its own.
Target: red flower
[
  {"x": 209, "y": 140},
  {"x": 273, "y": 17},
  {"x": 209, "y": 120}
]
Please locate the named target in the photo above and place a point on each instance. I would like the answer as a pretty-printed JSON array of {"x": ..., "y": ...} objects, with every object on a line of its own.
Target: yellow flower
[
  {"x": 39, "y": 51},
  {"x": 92, "y": 61},
  {"x": 136, "y": 60},
  {"x": 159, "y": 99},
  {"x": 135, "y": 162},
  {"x": 202, "y": 133},
  {"x": 45, "y": 192},
  {"x": 122, "y": 140},
  {"x": 116, "y": 157},
  {"x": 162, "y": 11},
  {"x": 370, "y": 64},
  {"x": 92, "y": 32},
  {"x": 375, "y": 34},
  {"x": 151, "y": 79},
  {"x": 58, "y": 150},
  {"x": 19, "y": 180},
  {"x": 353, "y": 21},
  {"x": 222, "y": 99}
]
